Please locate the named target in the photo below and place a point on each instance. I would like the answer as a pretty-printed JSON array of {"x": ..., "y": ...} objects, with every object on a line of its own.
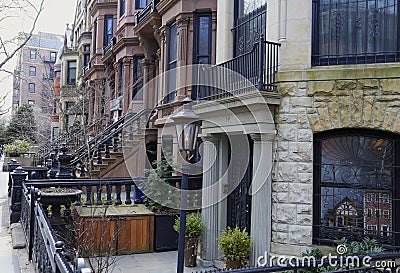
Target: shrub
[
  {"x": 17, "y": 146},
  {"x": 194, "y": 226},
  {"x": 235, "y": 244}
]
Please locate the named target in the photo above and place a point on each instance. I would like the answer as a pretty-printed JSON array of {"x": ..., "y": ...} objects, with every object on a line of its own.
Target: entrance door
[{"x": 239, "y": 200}]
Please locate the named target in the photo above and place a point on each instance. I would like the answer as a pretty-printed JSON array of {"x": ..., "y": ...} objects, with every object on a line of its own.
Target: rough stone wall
[{"x": 307, "y": 107}]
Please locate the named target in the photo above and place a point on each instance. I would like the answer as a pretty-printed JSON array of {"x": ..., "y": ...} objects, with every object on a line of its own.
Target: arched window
[{"x": 356, "y": 186}]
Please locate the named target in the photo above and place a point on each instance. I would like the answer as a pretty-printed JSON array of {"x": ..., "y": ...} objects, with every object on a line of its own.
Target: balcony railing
[
  {"x": 86, "y": 68},
  {"x": 150, "y": 8},
  {"x": 254, "y": 69},
  {"x": 109, "y": 46}
]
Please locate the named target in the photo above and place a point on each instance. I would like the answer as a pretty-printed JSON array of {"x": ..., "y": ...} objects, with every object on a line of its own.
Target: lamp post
[{"x": 187, "y": 124}]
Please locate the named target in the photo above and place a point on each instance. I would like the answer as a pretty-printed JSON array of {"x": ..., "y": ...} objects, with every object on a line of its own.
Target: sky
[{"x": 53, "y": 19}]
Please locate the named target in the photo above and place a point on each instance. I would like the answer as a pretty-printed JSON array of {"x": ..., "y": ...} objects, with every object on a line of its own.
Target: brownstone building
[{"x": 33, "y": 77}]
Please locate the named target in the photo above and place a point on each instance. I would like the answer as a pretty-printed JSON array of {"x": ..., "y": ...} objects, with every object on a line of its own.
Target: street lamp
[{"x": 187, "y": 125}]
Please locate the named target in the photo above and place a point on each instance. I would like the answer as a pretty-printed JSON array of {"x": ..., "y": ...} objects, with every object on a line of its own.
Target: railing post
[
  {"x": 18, "y": 176},
  {"x": 33, "y": 194},
  {"x": 261, "y": 61},
  {"x": 12, "y": 165},
  {"x": 64, "y": 160}
]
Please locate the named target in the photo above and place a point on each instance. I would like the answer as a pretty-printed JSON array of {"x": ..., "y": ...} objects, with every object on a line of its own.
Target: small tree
[{"x": 22, "y": 125}]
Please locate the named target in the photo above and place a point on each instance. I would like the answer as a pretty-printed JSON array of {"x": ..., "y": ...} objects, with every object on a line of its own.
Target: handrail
[
  {"x": 106, "y": 131},
  {"x": 107, "y": 135}
]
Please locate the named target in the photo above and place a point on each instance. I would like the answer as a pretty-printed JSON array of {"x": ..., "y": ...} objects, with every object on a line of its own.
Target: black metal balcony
[
  {"x": 254, "y": 69},
  {"x": 150, "y": 8},
  {"x": 109, "y": 46}
]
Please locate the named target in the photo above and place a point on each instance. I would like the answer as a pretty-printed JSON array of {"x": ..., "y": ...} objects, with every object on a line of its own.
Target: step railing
[{"x": 112, "y": 139}]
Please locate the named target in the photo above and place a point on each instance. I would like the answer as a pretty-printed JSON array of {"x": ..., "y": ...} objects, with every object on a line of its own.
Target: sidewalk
[
  {"x": 16, "y": 260},
  {"x": 11, "y": 260}
]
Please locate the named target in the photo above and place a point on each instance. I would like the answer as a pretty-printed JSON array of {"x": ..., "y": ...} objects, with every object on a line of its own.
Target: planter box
[
  {"x": 165, "y": 237},
  {"x": 115, "y": 229}
]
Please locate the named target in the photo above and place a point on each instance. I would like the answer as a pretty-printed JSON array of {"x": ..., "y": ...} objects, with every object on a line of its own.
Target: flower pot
[
  {"x": 191, "y": 251},
  {"x": 229, "y": 264}
]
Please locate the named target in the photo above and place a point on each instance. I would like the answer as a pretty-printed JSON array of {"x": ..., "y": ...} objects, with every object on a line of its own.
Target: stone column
[
  {"x": 261, "y": 195},
  {"x": 224, "y": 40},
  {"x": 210, "y": 197},
  {"x": 126, "y": 86},
  {"x": 18, "y": 176},
  {"x": 146, "y": 79},
  {"x": 182, "y": 55}
]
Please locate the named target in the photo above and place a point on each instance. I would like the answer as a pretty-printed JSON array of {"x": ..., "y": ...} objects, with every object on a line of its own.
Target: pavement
[{"x": 16, "y": 260}]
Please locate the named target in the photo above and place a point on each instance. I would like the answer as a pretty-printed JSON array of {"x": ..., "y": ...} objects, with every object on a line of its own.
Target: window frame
[
  {"x": 53, "y": 59},
  {"x": 171, "y": 63},
  {"x": 122, "y": 7},
  {"x": 107, "y": 38},
  {"x": 33, "y": 54},
  {"x": 320, "y": 59},
  {"x": 318, "y": 184},
  {"x": 138, "y": 4},
  {"x": 32, "y": 70},
  {"x": 137, "y": 78},
  {"x": 32, "y": 88},
  {"x": 71, "y": 81}
]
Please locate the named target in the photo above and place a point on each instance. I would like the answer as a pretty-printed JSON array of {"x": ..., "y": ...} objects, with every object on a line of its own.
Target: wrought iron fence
[
  {"x": 254, "y": 69},
  {"x": 150, "y": 8},
  {"x": 44, "y": 248}
]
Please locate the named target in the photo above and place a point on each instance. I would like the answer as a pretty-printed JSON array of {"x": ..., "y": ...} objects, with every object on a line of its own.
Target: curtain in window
[{"x": 357, "y": 26}]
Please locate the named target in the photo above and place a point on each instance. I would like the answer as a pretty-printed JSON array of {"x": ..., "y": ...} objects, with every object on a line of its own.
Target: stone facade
[{"x": 313, "y": 101}]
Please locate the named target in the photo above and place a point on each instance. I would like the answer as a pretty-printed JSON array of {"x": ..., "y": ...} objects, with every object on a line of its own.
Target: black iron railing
[
  {"x": 150, "y": 8},
  {"x": 109, "y": 46},
  {"x": 255, "y": 69},
  {"x": 248, "y": 29},
  {"x": 110, "y": 140},
  {"x": 44, "y": 248}
]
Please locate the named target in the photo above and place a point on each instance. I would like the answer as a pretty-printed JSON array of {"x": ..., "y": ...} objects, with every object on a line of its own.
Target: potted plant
[
  {"x": 17, "y": 147},
  {"x": 236, "y": 245},
  {"x": 194, "y": 228}
]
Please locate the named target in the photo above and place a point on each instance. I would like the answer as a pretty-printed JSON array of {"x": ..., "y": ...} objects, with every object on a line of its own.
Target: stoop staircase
[{"x": 108, "y": 153}]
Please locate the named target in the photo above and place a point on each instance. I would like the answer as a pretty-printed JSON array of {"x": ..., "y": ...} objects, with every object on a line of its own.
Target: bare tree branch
[{"x": 25, "y": 39}]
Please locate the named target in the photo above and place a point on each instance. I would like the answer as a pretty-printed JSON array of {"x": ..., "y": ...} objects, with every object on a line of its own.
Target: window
[
  {"x": 355, "y": 31},
  {"x": 385, "y": 214},
  {"x": 172, "y": 62},
  {"x": 53, "y": 57},
  {"x": 94, "y": 36},
  {"x": 137, "y": 92},
  {"x": 32, "y": 71},
  {"x": 108, "y": 29},
  {"x": 33, "y": 54},
  {"x": 202, "y": 47},
  {"x": 140, "y": 4},
  {"x": 51, "y": 73},
  {"x": 250, "y": 22},
  {"x": 31, "y": 102},
  {"x": 71, "y": 72},
  {"x": 121, "y": 79},
  {"x": 357, "y": 168},
  {"x": 31, "y": 88},
  {"x": 121, "y": 7}
]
